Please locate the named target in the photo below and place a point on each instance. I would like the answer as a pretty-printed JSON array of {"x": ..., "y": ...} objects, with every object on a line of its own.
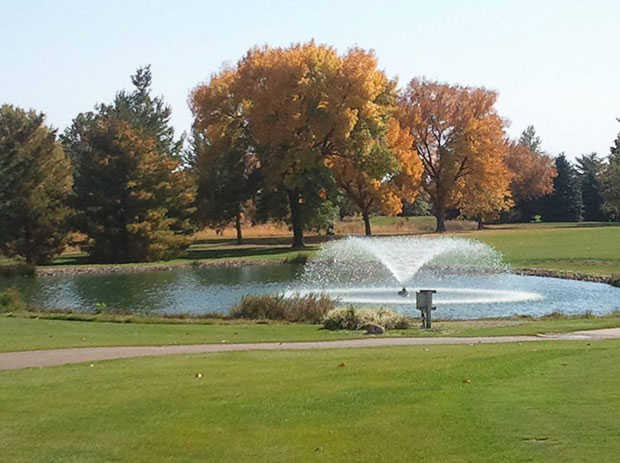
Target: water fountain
[
  {"x": 470, "y": 278},
  {"x": 371, "y": 271}
]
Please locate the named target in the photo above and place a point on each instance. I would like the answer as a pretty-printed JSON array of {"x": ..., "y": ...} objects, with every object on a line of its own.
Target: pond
[{"x": 216, "y": 289}]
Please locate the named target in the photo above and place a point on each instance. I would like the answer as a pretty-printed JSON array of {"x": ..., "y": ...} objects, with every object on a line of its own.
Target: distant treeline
[{"x": 300, "y": 134}]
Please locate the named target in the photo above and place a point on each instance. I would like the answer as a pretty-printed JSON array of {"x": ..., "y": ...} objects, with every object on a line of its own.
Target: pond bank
[
  {"x": 609, "y": 279},
  {"x": 97, "y": 269}
]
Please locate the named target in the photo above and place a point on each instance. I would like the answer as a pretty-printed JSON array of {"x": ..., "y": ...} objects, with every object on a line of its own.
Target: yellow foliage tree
[
  {"x": 300, "y": 104},
  {"x": 460, "y": 141},
  {"x": 379, "y": 168}
]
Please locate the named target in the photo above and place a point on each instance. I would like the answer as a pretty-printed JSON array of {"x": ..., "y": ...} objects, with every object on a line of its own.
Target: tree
[
  {"x": 225, "y": 162},
  {"x": 486, "y": 194},
  {"x": 589, "y": 169},
  {"x": 565, "y": 203},
  {"x": 132, "y": 196},
  {"x": 380, "y": 168},
  {"x": 610, "y": 180},
  {"x": 35, "y": 180},
  {"x": 228, "y": 178},
  {"x": 151, "y": 114},
  {"x": 532, "y": 173},
  {"x": 300, "y": 104},
  {"x": 531, "y": 140},
  {"x": 459, "y": 138},
  {"x": 124, "y": 189}
]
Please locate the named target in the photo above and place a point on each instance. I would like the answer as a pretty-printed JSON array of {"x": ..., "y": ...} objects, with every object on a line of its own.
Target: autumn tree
[
  {"x": 225, "y": 163},
  {"x": 459, "y": 139},
  {"x": 379, "y": 168},
  {"x": 300, "y": 105},
  {"x": 485, "y": 194},
  {"x": 132, "y": 197},
  {"x": 532, "y": 172},
  {"x": 35, "y": 180}
]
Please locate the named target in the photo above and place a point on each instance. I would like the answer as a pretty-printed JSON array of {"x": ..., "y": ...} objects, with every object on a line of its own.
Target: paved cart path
[{"x": 45, "y": 358}]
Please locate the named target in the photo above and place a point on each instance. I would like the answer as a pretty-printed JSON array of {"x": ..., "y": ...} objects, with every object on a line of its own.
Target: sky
[{"x": 554, "y": 64}]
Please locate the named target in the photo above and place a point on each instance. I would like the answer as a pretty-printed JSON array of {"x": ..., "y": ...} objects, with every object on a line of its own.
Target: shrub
[
  {"x": 356, "y": 319},
  {"x": 11, "y": 301},
  {"x": 17, "y": 269},
  {"x": 298, "y": 259},
  {"x": 310, "y": 308}
]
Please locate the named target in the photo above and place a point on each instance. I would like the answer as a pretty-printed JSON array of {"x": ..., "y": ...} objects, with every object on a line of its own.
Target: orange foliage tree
[
  {"x": 379, "y": 168},
  {"x": 224, "y": 160},
  {"x": 459, "y": 138},
  {"x": 532, "y": 172},
  {"x": 300, "y": 105}
]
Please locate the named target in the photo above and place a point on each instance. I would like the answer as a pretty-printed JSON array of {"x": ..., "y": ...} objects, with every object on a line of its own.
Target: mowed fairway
[
  {"x": 565, "y": 247},
  {"x": 555, "y": 401},
  {"x": 19, "y": 334}
]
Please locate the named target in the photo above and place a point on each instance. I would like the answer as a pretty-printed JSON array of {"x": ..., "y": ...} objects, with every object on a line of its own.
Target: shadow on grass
[{"x": 229, "y": 253}]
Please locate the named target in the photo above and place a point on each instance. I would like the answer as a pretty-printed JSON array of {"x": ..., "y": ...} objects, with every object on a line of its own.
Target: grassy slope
[
  {"x": 586, "y": 248},
  {"x": 531, "y": 402},
  {"x": 27, "y": 334},
  {"x": 591, "y": 248}
]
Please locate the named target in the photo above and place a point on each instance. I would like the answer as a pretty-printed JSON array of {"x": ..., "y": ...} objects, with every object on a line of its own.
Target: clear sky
[{"x": 554, "y": 63}]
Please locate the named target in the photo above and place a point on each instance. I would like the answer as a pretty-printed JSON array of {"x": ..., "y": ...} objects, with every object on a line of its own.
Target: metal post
[{"x": 424, "y": 303}]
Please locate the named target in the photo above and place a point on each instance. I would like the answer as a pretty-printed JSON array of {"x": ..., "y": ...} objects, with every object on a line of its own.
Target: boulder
[{"x": 373, "y": 328}]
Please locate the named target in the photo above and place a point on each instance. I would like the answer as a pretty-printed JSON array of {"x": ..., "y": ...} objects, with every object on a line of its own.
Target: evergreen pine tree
[
  {"x": 610, "y": 180},
  {"x": 589, "y": 167},
  {"x": 35, "y": 180},
  {"x": 132, "y": 197},
  {"x": 565, "y": 203}
]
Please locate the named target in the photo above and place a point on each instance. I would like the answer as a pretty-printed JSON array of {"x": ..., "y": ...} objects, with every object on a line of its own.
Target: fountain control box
[{"x": 424, "y": 303}]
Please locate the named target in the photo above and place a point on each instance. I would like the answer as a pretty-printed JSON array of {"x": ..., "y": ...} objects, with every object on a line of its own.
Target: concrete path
[{"x": 45, "y": 358}]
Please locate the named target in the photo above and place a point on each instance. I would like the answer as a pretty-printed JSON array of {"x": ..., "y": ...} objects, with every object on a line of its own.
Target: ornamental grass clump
[
  {"x": 11, "y": 301},
  {"x": 358, "y": 319},
  {"x": 309, "y": 308}
]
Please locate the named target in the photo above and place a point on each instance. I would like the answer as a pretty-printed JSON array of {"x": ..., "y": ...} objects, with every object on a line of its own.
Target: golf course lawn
[
  {"x": 582, "y": 248},
  {"x": 548, "y": 401},
  {"x": 18, "y": 333}
]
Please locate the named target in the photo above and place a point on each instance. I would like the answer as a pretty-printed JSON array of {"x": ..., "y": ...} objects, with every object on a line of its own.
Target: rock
[{"x": 373, "y": 328}]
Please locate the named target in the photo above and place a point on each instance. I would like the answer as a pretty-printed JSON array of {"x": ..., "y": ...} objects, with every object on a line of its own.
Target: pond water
[{"x": 216, "y": 289}]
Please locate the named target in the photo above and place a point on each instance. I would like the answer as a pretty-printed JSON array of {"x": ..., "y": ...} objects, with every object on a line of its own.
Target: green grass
[
  {"x": 18, "y": 333},
  {"x": 254, "y": 250},
  {"x": 551, "y": 402},
  {"x": 588, "y": 247},
  {"x": 584, "y": 248}
]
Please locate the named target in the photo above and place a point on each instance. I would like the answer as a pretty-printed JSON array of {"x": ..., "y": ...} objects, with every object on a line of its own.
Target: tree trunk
[
  {"x": 440, "y": 215},
  {"x": 238, "y": 227},
  {"x": 480, "y": 224},
  {"x": 296, "y": 223},
  {"x": 28, "y": 254},
  {"x": 367, "y": 229}
]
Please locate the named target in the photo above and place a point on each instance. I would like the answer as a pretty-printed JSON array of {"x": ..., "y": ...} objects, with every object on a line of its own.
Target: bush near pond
[
  {"x": 310, "y": 308},
  {"x": 11, "y": 301},
  {"x": 358, "y": 319}
]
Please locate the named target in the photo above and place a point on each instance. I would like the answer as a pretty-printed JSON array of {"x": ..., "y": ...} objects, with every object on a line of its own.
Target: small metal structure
[{"x": 424, "y": 303}]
